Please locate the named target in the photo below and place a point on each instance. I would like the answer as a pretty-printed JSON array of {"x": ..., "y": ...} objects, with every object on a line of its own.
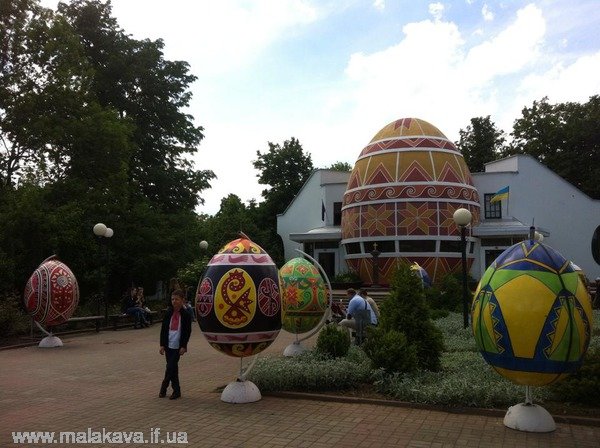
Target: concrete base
[
  {"x": 240, "y": 392},
  {"x": 294, "y": 349},
  {"x": 529, "y": 418},
  {"x": 50, "y": 341}
]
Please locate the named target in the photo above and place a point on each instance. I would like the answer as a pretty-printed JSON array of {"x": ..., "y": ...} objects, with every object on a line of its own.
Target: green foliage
[
  {"x": 463, "y": 380},
  {"x": 311, "y": 372},
  {"x": 565, "y": 137},
  {"x": 405, "y": 311},
  {"x": 390, "y": 351},
  {"x": 447, "y": 294},
  {"x": 191, "y": 273},
  {"x": 583, "y": 386},
  {"x": 333, "y": 341},
  {"x": 346, "y": 277},
  {"x": 13, "y": 320},
  {"x": 456, "y": 337},
  {"x": 102, "y": 136},
  {"x": 341, "y": 166},
  {"x": 285, "y": 169},
  {"x": 481, "y": 142}
]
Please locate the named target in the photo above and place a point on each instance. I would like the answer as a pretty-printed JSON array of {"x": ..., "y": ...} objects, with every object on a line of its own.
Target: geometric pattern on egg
[{"x": 401, "y": 195}]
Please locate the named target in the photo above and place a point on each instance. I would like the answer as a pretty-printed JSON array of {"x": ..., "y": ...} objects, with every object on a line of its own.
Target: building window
[
  {"x": 416, "y": 246},
  {"x": 337, "y": 213},
  {"x": 450, "y": 246},
  {"x": 492, "y": 211},
  {"x": 596, "y": 245},
  {"x": 353, "y": 248},
  {"x": 382, "y": 246},
  {"x": 326, "y": 245}
]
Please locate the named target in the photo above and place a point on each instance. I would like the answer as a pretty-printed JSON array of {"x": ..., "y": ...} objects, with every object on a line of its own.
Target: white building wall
[
  {"x": 304, "y": 212},
  {"x": 536, "y": 192}
]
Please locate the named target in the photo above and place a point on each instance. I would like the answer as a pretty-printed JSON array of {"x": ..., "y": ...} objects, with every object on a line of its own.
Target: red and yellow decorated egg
[
  {"x": 404, "y": 188},
  {"x": 51, "y": 293},
  {"x": 304, "y": 296},
  {"x": 238, "y": 301}
]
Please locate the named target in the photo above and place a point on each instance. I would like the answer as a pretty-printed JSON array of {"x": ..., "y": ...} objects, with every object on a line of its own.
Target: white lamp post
[
  {"x": 103, "y": 233},
  {"x": 462, "y": 217}
]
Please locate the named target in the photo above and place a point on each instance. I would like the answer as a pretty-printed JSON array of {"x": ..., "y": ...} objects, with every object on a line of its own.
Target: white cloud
[
  {"x": 226, "y": 33},
  {"x": 564, "y": 82},
  {"x": 436, "y": 10},
  {"x": 487, "y": 15},
  {"x": 431, "y": 74},
  {"x": 379, "y": 5}
]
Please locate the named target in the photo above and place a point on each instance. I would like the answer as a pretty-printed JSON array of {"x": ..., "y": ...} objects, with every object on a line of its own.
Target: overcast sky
[{"x": 332, "y": 73}]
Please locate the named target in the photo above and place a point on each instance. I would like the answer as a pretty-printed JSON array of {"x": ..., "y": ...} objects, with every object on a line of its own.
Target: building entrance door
[
  {"x": 327, "y": 261},
  {"x": 491, "y": 255}
]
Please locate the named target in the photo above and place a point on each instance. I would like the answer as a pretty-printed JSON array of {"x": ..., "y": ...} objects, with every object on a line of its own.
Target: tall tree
[
  {"x": 565, "y": 137},
  {"x": 132, "y": 77},
  {"x": 481, "y": 142},
  {"x": 285, "y": 169}
]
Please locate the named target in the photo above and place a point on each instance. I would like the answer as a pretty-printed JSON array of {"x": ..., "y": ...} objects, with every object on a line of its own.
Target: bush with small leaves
[
  {"x": 584, "y": 385},
  {"x": 333, "y": 341},
  {"x": 389, "y": 350},
  {"x": 13, "y": 320}
]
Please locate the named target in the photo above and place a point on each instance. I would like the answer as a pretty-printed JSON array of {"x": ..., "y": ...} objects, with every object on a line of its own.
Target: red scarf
[{"x": 175, "y": 321}]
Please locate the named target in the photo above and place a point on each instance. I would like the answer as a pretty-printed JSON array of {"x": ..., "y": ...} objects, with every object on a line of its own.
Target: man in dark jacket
[{"x": 174, "y": 336}]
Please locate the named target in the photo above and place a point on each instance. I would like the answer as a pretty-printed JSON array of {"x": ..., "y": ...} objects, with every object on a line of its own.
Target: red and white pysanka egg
[
  {"x": 51, "y": 293},
  {"x": 238, "y": 301},
  {"x": 404, "y": 188}
]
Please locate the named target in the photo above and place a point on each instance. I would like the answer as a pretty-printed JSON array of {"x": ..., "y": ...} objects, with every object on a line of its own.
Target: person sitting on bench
[{"x": 357, "y": 303}]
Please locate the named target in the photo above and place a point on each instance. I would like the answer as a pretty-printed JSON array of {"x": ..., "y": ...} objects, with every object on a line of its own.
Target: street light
[
  {"x": 375, "y": 254},
  {"x": 462, "y": 218},
  {"x": 102, "y": 234}
]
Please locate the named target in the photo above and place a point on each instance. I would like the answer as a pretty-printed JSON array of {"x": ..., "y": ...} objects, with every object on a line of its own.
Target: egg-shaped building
[{"x": 401, "y": 195}]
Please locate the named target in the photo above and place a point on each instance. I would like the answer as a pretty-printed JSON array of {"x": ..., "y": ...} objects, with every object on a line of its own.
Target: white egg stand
[
  {"x": 529, "y": 417},
  {"x": 50, "y": 341},
  {"x": 241, "y": 390},
  {"x": 296, "y": 348}
]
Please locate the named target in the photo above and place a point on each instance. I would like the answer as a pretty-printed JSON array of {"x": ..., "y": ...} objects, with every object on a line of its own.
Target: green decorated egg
[
  {"x": 304, "y": 296},
  {"x": 532, "y": 315}
]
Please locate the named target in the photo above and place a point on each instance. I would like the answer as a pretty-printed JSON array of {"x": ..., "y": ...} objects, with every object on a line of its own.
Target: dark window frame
[
  {"x": 337, "y": 213},
  {"x": 492, "y": 211}
]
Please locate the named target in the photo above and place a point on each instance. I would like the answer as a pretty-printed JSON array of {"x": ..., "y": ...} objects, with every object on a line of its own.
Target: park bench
[
  {"x": 96, "y": 319},
  {"x": 116, "y": 319}
]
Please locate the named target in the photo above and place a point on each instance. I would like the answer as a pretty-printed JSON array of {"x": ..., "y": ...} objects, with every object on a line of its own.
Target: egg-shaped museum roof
[{"x": 408, "y": 127}]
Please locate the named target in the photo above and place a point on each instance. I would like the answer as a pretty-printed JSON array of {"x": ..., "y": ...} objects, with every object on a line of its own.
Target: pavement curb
[{"x": 567, "y": 419}]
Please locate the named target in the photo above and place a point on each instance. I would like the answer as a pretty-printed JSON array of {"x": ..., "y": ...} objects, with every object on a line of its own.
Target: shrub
[
  {"x": 584, "y": 385},
  {"x": 405, "y": 311},
  {"x": 311, "y": 371},
  {"x": 346, "y": 277},
  {"x": 13, "y": 320},
  {"x": 333, "y": 341},
  {"x": 390, "y": 351}
]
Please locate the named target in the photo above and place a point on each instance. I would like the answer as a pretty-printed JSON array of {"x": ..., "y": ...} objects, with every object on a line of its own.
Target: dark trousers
[{"x": 172, "y": 371}]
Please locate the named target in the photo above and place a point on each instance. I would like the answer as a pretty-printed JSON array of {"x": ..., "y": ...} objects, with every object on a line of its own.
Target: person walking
[{"x": 174, "y": 336}]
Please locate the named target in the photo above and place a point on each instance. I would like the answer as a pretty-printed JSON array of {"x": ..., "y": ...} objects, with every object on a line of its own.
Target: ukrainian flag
[{"x": 500, "y": 194}]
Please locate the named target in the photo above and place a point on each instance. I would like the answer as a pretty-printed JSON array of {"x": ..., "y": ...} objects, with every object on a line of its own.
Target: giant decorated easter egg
[
  {"x": 238, "y": 301},
  {"x": 51, "y": 293},
  {"x": 304, "y": 296},
  {"x": 401, "y": 195},
  {"x": 532, "y": 315}
]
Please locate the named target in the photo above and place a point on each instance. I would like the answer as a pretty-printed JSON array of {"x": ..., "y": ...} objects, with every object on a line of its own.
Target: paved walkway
[{"x": 110, "y": 380}]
